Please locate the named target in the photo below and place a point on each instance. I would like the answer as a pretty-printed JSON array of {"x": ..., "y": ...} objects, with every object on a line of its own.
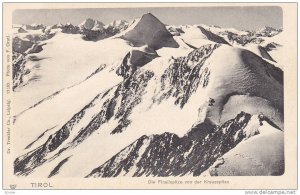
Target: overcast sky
[{"x": 248, "y": 18}]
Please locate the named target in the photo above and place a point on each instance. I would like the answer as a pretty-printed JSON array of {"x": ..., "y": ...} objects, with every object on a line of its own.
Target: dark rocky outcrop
[
  {"x": 264, "y": 53},
  {"x": 175, "y": 31},
  {"x": 20, "y": 45},
  {"x": 70, "y": 29},
  {"x": 169, "y": 155},
  {"x": 272, "y": 46},
  {"x": 129, "y": 93},
  {"x": 116, "y": 27},
  {"x": 21, "y": 30},
  {"x": 56, "y": 169},
  {"x": 242, "y": 39},
  {"x": 181, "y": 80},
  {"x": 267, "y": 31},
  {"x": 19, "y": 70},
  {"x": 134, "y": 60},
  {"x": 33, "y": 26},
  {"x": 213, "y": 37}
]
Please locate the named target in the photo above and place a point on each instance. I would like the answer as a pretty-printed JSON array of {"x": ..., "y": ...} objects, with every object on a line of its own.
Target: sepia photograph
[{"x": 165, "y": 93}]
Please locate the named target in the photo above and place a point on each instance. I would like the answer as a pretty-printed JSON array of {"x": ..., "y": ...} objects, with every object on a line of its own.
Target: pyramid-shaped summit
[{"x": 150, "y": 31}]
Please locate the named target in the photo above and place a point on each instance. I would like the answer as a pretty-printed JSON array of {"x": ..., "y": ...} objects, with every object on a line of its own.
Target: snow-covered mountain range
[{"x": 142, "y": 98}]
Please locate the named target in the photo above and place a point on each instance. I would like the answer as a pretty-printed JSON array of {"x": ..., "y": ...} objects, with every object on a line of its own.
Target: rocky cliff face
[
  {"x": 184, "y": 75},
  {"x": 19, "y": 69},
  {"x": 169, "y": 155},
  {"x": 70, "y": 29},
  {"x": 119, "y": 101},
  {"x": 128, "y": 93},
  {"x": 134, "y": 60}
]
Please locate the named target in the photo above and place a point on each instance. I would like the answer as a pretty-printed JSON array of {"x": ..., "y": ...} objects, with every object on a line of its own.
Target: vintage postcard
[{"x": 149, "y": 96}]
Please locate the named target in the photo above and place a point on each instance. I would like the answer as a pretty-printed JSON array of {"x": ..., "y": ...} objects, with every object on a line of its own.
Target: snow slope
[
  {"x": 268, "y": 159},
  {"x": 59, "y": 65}
]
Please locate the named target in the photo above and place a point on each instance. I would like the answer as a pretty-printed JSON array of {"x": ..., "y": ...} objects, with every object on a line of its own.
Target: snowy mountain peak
[
  {"x": 33, "y": 26},
  {"x": 267, "y": 28},
  {"x": 118, "y": 23},
  {"x": 150, "y": 15},
  {"x": 151, "y": 20},
  {"x": 116, "y": 26},
  {"x": 90, "y": 24},
  {"x": 149, "y": 30},
  {"x": 36, "y": 25},
  {"x": 268, "y": 31}
]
